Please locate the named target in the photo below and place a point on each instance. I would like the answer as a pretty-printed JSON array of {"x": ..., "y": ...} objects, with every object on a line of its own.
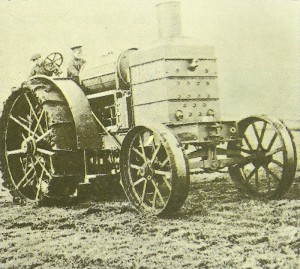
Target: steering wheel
[{"x": 53, "y": 62}]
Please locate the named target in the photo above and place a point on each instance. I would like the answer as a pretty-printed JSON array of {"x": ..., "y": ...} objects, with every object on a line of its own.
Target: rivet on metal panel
[
  {"x": 210, "y": 112},
  {"x": 177, "y": 70},
  {"x": 179, "y": 115},
  {"x": 199, "y": 95},
  {"x": 207, "y": 83},
  {"x": 184, "y": 105},
  {"x": 179, "y": 96},
  {"x": 200, "y": 114},
  {"x": 198, "y": 83},
  {"x": 204, "y": 104},
  {"x": 206, "y": 70},
  {"x": 189, "y": 96},
  {"x": 190, "y": 114},
  {"x": 194, "y": 105},
  {"x": 188, "y": 83}
]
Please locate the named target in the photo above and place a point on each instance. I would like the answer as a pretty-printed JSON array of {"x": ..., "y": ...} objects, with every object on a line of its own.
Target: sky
[{"x": 257, "y": 43}]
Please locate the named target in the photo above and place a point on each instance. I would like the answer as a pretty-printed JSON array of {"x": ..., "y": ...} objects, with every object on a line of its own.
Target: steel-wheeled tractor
[{"x": 149, "y": 117}]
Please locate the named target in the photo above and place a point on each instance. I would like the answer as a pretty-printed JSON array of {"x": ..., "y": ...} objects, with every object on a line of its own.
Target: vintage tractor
[{"x": 150, "y": 117}]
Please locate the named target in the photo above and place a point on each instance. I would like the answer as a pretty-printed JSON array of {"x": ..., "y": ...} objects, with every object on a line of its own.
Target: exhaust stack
[{"x": 169, "y": 19}]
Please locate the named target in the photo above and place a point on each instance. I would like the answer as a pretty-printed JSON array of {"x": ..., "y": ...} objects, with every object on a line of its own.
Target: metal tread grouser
[{"x": 150, "y": 117}]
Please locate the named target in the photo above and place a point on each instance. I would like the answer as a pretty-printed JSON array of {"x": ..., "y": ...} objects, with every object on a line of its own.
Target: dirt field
[{"x": 216, "y": 228}]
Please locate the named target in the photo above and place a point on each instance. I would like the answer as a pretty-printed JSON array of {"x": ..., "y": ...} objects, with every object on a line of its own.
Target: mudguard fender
[{"x": 85, "y": 125}]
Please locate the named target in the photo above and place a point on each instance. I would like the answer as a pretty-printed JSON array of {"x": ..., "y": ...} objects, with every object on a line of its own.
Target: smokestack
[{"x": 169, "y": 19}]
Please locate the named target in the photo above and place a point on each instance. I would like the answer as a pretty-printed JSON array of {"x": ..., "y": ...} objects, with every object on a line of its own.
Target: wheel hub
[
  {"x": 29, "y": 146},
  {"x": 261, "y": 157},
  {"x": 147, "y": 171}
]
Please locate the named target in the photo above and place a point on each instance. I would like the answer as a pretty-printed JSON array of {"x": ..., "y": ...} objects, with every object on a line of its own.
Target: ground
[{"x": 216, "y": 228}]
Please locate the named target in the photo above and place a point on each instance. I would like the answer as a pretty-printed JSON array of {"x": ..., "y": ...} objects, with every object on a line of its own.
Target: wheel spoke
[
  {"x": 143, "y": 149},
  {"x": 167, "y": 183},
  {"x": 24, "y": 120},
  {"x": 247, "y": 142},
  {"x": 273, "y": 174},
  {"x": 25, "y": 176},
  {"x": 21, "y": 124},
  {"x": 164, "y": 173},
  {"x": 251, "y": 174},
  {"x": 256, "y": 134},
  {"x": 139, "y": 181},
  {"x": 138, "y": 152},
  {"x": 45, "y": 151},
  {"x": 23, "y": 166},
  {"x": 158, "y": 193},
  {"x": 38, "y": 123},
  {"x": 16, "y": 151},
  {"x": 135, "y": 166},
  {"x": 144, "y": 191},
  {"x": 31, "y": 106},
  {"x": 155, "y": 153},
  {"x": 154, "y": 197},
  {"x": 33, "y": 111},
  {"x": 43, "y": 167},
  {"x": 272, "y": 142},
  {"x": 277, "y": 162},
  {"x": 39, "y": 185},
  {"x": 43, "y": 136},
  {"x": 164, "y": 162},
  {"x": 262, "y": 133},
  {"x": 274, "y": 151},
  {"x": 29, "y": 180}
]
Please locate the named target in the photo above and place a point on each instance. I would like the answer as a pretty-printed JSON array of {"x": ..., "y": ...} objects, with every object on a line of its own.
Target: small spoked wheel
[
  {"x": 154, "y": 170},
  {"x": 267, "y": 158},
  {"x": 53, "y": 62}
]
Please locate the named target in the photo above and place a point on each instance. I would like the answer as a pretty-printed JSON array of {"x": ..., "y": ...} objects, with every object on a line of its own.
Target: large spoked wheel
[
  {"x": 267, "y": 156},
  {"x": 37, "y": 146},
  {"x": 154, "y": 170},
  {"x": 53, "y": 62}
]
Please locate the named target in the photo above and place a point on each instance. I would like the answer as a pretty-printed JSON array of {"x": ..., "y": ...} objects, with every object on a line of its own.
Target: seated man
[
  {"x": 75, "y": 64},
  {"x": 38, "y": 68}
]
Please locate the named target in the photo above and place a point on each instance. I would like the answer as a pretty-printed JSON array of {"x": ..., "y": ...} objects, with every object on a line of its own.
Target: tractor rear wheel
[
  {"x": 38, "y": 153},
  {"x": 154, "y": 170}
]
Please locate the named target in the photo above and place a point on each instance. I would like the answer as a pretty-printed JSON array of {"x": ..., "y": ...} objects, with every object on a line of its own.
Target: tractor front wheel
[
  {"x": 268, "y": 158},
  {"x": 154, "y": 170}
]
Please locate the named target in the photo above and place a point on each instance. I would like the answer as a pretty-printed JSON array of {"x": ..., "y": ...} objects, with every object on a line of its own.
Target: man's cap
[
  {"x": 35, "y": 56},
  {"x": 76, "y": 47}
]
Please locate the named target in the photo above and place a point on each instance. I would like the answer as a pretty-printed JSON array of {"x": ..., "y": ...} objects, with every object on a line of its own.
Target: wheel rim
[
  {"x": 153, "y": 180},
  {"x": 269, "y": 165},
  {"x": 28, "y": 149}
]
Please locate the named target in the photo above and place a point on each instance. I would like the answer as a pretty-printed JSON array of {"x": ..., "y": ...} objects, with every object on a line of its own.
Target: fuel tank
[{"x": 109, "y": 73}]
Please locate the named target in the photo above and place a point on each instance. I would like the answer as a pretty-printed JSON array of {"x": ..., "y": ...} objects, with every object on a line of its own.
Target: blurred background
[{"x": 256, "y": 43}]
